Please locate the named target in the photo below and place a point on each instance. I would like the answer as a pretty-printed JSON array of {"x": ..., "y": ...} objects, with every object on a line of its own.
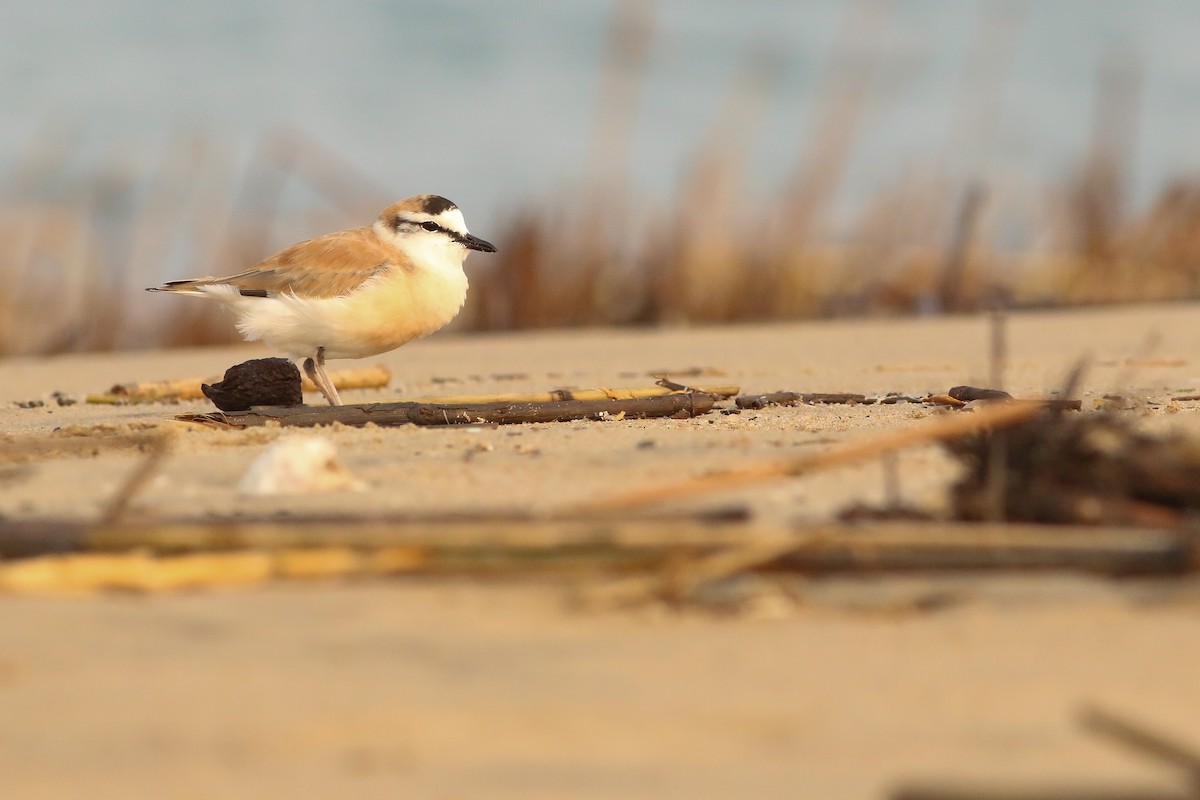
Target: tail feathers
[
  {"x": 206, "y": 286},
  {"x": 193, "y": 286}
]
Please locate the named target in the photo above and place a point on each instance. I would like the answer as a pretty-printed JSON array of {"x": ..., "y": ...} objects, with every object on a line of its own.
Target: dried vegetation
[{"x": 81, "y": 234}]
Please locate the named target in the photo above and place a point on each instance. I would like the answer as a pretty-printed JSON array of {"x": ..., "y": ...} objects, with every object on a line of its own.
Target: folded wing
[{"x": 330, "y": 266}]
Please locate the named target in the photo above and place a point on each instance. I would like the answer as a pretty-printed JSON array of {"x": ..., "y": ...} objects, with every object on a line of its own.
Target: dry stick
[
  {"x": 997, "y": 484},
  {"x": 681, "y": 580},
  {"x": 756, "y": 401},
  {"x": 960, "y": 247},
  {"x": 891, "y": 481},
  {"x": 373, "y": 377},
  {"x": 626, "y": 57},
  {"x": 998, "y": 355},
  {"x": 683, "y": 404},
  {"x": 495, "y": 533},
  {"x": 844, "y": 96},
  {"x": 136, "y": 480},
  {"x": 574, "y": 394},
  {"x": 969, "y": 791},
  {"x": 997, "y": 478},
  {"x": 946, "y": 428},
  {"x": 893, "y": 547},
  {"x": 1144, "y": 741},
  {"x": 151, "y": 556}
]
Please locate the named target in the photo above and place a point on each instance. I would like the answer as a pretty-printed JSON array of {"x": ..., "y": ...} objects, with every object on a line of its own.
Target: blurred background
[{"x": 636, "y": 161}]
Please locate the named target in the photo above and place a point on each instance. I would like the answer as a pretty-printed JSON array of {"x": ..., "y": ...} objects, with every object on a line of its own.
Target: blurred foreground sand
[{"x": 426, "y": 688}]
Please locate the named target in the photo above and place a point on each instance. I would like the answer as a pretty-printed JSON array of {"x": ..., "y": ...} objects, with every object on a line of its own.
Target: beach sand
[{"x": 422, "y": 687}]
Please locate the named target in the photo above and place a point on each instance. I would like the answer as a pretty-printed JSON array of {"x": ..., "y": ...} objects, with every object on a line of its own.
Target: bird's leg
[{"x": 315, "y": 370}]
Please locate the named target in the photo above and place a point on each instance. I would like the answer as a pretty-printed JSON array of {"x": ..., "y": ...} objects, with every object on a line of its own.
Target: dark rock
[{"x": 258, "y": 382}]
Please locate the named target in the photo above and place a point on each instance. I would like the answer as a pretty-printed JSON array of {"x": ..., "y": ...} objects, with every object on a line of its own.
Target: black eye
[{"x": 429, "y": 225}]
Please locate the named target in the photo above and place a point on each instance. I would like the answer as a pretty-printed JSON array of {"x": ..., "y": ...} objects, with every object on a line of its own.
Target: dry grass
[{"x": 78, "y": 244}]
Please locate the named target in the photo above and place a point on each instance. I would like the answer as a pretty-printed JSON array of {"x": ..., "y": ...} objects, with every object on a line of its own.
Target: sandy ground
[{"x": 448, "y": 688}]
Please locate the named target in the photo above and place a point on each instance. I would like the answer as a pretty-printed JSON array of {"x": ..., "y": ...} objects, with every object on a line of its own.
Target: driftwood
[
  {"x": 940, "y": 430},
  {"x": 966, "y": 394},
  {"x": 372, "y": 377},
  {"x": 667, "y": 405},
  {"x": 956, "y": 397},
  {"x": 755, "y": 401},
  {"x": 679, "y": 553}
]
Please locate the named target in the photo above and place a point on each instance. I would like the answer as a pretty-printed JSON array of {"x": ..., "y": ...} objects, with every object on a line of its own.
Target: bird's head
[{"x": 429, "y": 224}]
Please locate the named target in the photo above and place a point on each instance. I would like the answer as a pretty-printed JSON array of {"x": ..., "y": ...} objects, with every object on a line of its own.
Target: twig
[
  {"x": 998, "y": 351},
  {"x": 682, "y": 404},
  {"x": 943, "y": 429},
  {"x": 1145, "y": 741},
  {"x": 960, "y": 247},
  {"x": 136, "y": 480},
  {"x": 681, "y": 579},
  {"x": 891, "y": 480},
  {"x": 996, "y": 484},
  {"x": 754, "y": 401},
  {"x": 966, "y": 791},
  {"x": 575, "y": 394}
]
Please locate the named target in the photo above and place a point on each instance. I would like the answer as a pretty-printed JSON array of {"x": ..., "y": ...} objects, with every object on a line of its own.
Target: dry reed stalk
[
  {"x": 679, "y": 578},
  {"x": 671, "y": 558},
  {"x": 136, "y": 480},
  {"x": 136, "y": 571},
  {"x": 622, "y": 72},
  {"x": 902, "y": 547},
  {"x": 574, "y": 394},
  {"x": 154, "y": 225},
  {"x": 954, "y": 273},
  {"x": 591, "y": 263},
  {"x": 1145, "y": 741},
  {"x": 32, "y": 212},
  {"x": 42, "y": 273},
  {"x": 702, "y": 266},
  {"x": 354, "y": 192},
  {"x": 844, "y": 97},
  {"x": 372, "y": 377},
  {"x": 979, "y": 102},
  {"x": 1097, "y": 198},
  {"x": 939, "y": 430}
]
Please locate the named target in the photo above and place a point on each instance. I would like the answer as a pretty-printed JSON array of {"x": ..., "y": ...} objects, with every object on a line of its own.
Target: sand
[{"x": 452, "y": 688}]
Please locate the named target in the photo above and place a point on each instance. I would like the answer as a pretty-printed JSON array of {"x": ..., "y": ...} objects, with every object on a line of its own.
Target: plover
[{"x": 353, "y": 293}]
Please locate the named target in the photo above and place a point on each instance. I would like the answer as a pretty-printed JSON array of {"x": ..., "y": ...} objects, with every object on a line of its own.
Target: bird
[{"x": 354, "y": 293}]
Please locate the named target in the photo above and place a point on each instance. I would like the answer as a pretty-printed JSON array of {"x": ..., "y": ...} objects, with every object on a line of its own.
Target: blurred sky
[{"x": 493, "y": 103}]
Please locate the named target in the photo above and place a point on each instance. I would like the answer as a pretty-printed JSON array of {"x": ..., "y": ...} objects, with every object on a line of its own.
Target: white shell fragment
[{"x": 299, "y": 465}]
